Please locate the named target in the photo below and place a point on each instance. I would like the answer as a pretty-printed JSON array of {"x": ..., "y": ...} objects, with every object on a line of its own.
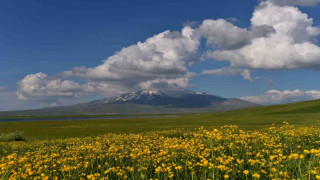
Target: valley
[{"x": 302, "y": 113}]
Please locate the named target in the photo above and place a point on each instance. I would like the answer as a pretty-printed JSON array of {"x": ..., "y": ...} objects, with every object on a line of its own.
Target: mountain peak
[
  {"x": 167, "y": 97},
  {"x": 149, "y": 102},
  {"x": 170, "y": 92}
]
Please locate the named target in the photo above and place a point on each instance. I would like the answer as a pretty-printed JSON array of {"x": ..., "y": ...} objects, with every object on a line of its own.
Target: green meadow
[{"x": 302, "y": 113}]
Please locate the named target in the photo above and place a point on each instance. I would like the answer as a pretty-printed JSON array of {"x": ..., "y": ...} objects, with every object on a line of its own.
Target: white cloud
[
  {"x": 296, "y": 2},
  {"x": 245, "y": 73},
  {"x": 160, "y": 61},
  {"x": 279, "y": 37},
  {"x": 166, "y": 83},
  {"x": 223, "y": 71},
  {"x": 9, "y": 101},
  {"x": 233, "y": 19},
  {"x": 230, "y": 72},
  {"x": 291, "y": 47},
  {"x": 223, "y": 34},
  {"x": 191, "y": 24},
  {"x": 41, "y": 87},
  {"x": 287, "y": 96},
  {"x": 163, "y": 57}
]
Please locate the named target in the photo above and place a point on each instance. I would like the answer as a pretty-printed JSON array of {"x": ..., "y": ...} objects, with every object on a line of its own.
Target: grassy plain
[
  {"x": 283, "y": 152},
  {"x": 251, "y": 143},
  {"x": 302, "y": 114}
]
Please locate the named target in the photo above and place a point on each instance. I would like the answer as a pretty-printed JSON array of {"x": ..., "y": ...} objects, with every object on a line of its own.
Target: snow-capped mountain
[
  {"x": 168, "y": 98},
  {"x": 146, "y": 102}
]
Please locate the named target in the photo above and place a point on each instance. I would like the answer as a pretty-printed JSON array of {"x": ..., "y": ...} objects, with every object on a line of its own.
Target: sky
[{"x": 65, "y": 52}]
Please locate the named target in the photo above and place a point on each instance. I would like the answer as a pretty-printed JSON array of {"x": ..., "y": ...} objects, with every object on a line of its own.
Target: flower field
[{"x": 277, "y": 152}]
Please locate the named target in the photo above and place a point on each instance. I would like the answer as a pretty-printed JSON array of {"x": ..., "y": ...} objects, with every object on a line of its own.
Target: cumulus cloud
[
  {"x": 160, "y": 61},
  {"x": 41, "y": 87},
  {"x": 233, "y": 19},
  {"x": 296, "y": 2},
  {"x": 9, "y": 101},
  {"x": 230, "y": 72},
  {"x": 280, "y": 37},
  {"x": 291, "y": 47},
  {"x": 161, "y": 58},
  {"x": 191, "y": 24},
  {"x": 223, "y": 34},
  {"x": 166, "y": 83},
  {"x": 245, "y": 73},
  {"x": 287, "y": 96}
]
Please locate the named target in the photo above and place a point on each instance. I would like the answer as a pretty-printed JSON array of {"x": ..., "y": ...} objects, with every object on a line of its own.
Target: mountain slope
[
  {"x": 301, "y": 114},
  {"x": 146, "y": 102},
  {"x": 304, "y": 107},
  {"x": 169, "y": 98}
]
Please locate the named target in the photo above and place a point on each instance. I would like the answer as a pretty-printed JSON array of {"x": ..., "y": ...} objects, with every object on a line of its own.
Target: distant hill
[
  {"x": 145, "y": 102},
  {"x": 304, "y": 107}
]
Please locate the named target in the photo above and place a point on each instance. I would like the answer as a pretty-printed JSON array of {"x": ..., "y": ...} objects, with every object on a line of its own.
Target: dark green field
[{"x": 302, "y": 113}]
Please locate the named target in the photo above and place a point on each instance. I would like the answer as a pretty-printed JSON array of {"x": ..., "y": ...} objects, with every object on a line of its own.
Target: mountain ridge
[
  {"x": 146, "y": 102},
  {"x": 170, "y": 98}
]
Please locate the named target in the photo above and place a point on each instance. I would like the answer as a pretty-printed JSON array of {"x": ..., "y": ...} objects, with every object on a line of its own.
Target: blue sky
[{"x": 52, "y": 37}]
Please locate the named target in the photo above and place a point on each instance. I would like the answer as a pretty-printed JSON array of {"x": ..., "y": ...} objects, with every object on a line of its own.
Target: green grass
[
  {"x": 302, "y": 113},
  {"x": 13, "y": 136},
  {"x": 75, "y": 116}
]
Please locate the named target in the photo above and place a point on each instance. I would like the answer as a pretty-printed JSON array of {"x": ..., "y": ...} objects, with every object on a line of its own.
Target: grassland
[
  {"x": 285, "y": 152},
  {"x": 302, "y": 113},
  {"x": 251, "y": 143}
]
